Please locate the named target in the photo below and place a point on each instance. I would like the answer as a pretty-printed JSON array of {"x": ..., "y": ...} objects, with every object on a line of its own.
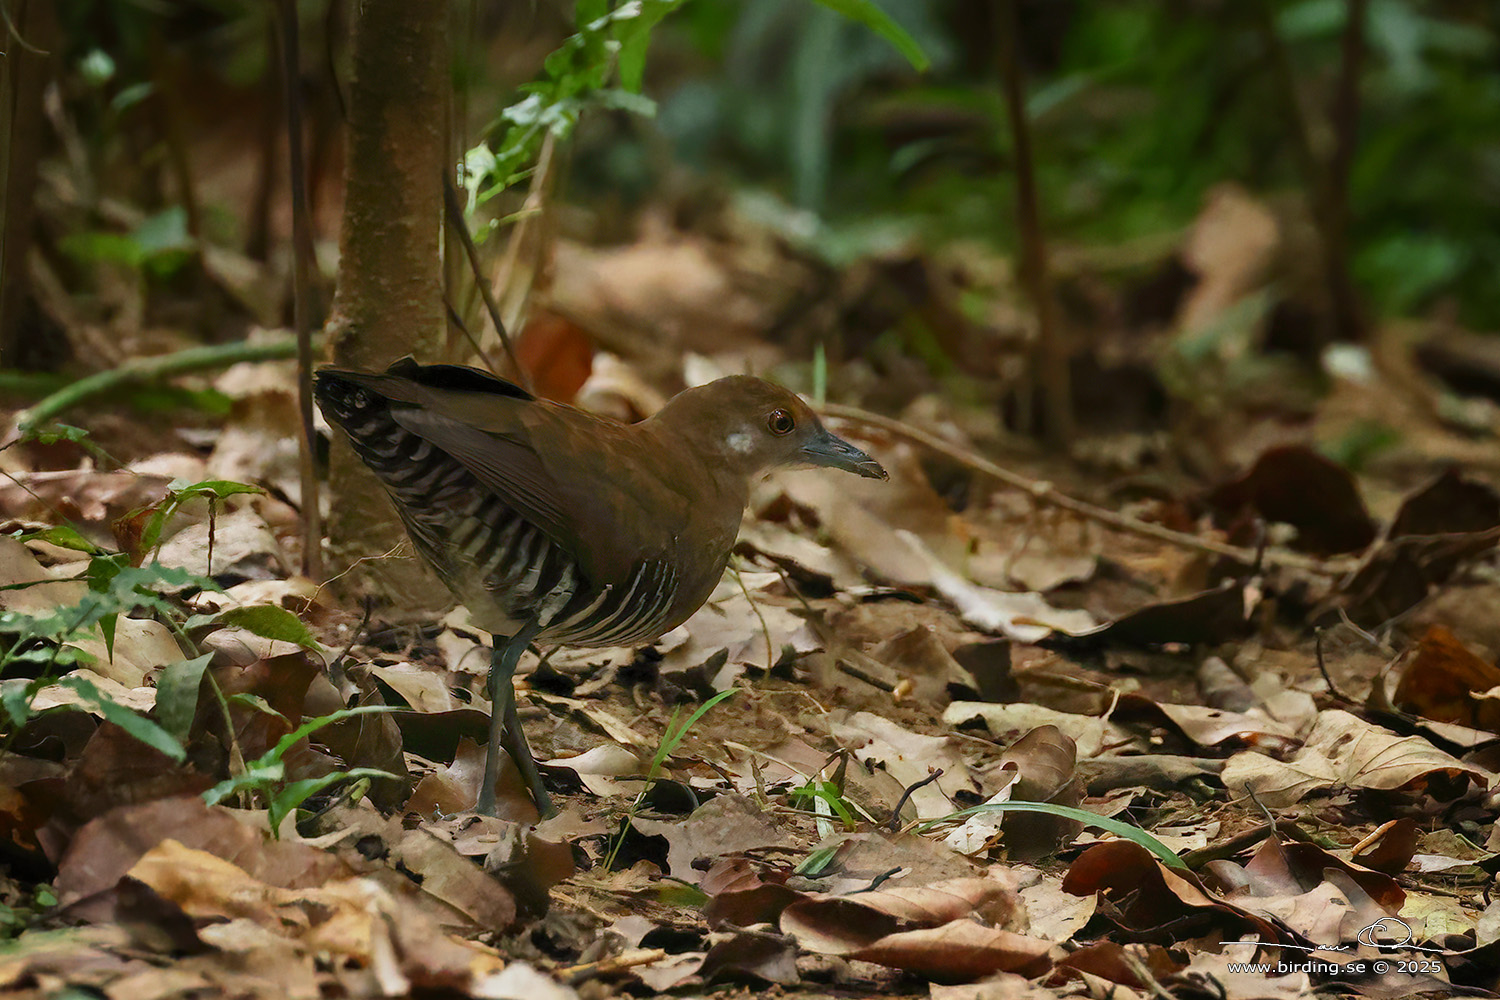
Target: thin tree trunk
[
  {"x": 28, "y": 54},
  {"x": 1348, "y": 323},
  {"x": 390, "y": 292},
  {"x": 1049, "y": 370}
]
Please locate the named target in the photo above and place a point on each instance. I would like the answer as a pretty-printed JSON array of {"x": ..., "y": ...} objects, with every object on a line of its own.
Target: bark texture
[{"x": 389, "y": 301}]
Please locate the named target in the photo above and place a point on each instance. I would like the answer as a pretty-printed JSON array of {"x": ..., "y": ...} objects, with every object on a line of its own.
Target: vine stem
[{"x": 142, "y": 370}]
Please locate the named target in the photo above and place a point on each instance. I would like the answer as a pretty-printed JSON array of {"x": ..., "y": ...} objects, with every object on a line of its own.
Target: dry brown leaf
[
  {"x": 105, "y": 849},
  {"x": 599, "y": 767},
  {"x": 1053, "y": 914},
  {"x": 244, "y": 547},
  {"x": 1148, "y": 896},
  {"x": 959, "y": 951},
  {"x": 1091, "y": 734},
  {"x": 908, "y": 757},
  {"x": 754, "y": 630},
  {"x": 436, "y": 866},
  {"x": 1343, "y": 749},
  {"x": 1231, "y": 244},
  {"x": 1025, "y": 617},
  {"x": 842, "y": 925},
  {"x": 726, "y": 824},
  {"x": 755, "y": 956},
  {"x": 1215, "y": 727},
  {"x": 425, "y": 690}
]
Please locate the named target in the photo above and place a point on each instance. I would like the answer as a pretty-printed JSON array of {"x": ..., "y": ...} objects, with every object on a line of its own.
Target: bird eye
[{"x": 781, "y": 423}]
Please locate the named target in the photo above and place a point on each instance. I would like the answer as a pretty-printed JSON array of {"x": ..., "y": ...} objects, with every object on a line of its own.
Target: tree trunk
[
  {"x": 389, "y": 300},
  {"x": 27, "y": 45}
]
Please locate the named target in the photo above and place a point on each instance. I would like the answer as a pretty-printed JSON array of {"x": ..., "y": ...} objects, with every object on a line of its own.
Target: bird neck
[{"x": 699, "y": 461}]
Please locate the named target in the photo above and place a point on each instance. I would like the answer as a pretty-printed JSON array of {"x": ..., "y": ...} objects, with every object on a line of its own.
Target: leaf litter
[{"x": 962, "y": 737}]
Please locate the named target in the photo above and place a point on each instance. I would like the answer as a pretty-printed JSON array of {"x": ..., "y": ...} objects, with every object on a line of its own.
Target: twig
[
  {"x": 460, "y": 227},
  {"x": 765, "y": 630},
  {"x": 530, "y": 227},
  {"x": 1145, "y": 979},
  {"x": 139, "y": 370},
  {"x": 15, "y": 34},
  {"x": 895, "y": 823},
  {"x": 1201, "y": 856},
  {"x": 1323, "y": 669},
  {"x": 1327, "y": 179},
  {"x": 1043, "y": 493},
  {"x": 844, "y": 666},
  {"x": 302, "y": 256},
  {"x": 607, "y": 966}
]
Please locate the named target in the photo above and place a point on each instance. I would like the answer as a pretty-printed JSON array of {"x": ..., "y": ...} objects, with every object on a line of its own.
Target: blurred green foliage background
[{"x": 1138, "y": 108}]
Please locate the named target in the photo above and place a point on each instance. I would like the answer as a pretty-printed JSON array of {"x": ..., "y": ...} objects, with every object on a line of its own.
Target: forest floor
[{"x": 1268, "y": 680}]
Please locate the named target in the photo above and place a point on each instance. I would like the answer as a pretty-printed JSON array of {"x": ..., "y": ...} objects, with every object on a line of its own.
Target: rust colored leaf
[
  {"x": 959, "y": 951},
  {"x": 1147, "y": 896},
  {"x": 1443, "y": 680}
]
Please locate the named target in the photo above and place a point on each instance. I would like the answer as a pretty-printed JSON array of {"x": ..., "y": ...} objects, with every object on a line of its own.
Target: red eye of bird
[{"x": 781, "y": 423}]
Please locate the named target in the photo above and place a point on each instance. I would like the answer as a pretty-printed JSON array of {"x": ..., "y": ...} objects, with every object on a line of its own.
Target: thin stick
[
  {"x": 531, "y": 226},
  {"x": 460, "y": 226},
  {"x": 1044, "y": 493},
  {"x": 302, "y": 256},
  {"x": 138, "y": 370},
  {"x": 607, "y": 966},
  {"x": 895, "y": 823}
]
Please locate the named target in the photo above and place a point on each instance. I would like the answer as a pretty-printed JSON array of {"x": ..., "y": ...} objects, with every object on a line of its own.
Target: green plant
[
  {"x": 19, "y": 914},
  {"x": 671, "y": 739},
  {"x": 1134, "y": 834},
  {"x": 265, "y": 777},
  {"x": 826, "y": 792},
  {"x": 602, "y": 66},
  {"x": 146, "y": 524},
  {"x": 40, "y": 644}
]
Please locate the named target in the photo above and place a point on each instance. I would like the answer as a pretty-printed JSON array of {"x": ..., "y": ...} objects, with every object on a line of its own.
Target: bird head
[{"x": 755, "y": 426}]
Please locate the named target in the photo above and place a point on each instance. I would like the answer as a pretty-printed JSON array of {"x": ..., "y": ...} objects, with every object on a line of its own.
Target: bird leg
[{"x": 505, "y": 724}]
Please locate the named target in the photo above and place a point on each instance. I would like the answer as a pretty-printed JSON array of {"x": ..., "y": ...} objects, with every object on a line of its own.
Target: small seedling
[{"x": 671, "y": 739}]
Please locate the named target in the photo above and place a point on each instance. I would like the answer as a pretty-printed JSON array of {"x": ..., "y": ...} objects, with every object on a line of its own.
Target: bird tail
[{"x": 419, "y": 475}]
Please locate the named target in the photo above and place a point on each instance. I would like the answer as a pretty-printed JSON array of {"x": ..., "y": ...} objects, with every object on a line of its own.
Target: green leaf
[
  {"x": 269, "y": 622},
  {"x": 256, "y": 776},
  {"x": 102, "y": 247},
  {"x": 216, "y": 489},
  {"x": 177, "y": 695},
  {"x": 823, "y": 790},
  {"x": 127, "y": 719},
  {"x": 107, "y": 625},
  {"x": 818, "y": 861},
  {"x": 15, "y": 697},
  {"x": 673, "y": 738},
  {"x": 256, "y": 703},
  {"x": 67, "y": 537},
  {"x": 166, "y": 230},
  {"x": 1134, "y": 834},
  {"x": 291, "y": 795},
  {"x": 313, "y": 725},
  {"x": 634, "y": 36},
  {"x": 871, "y": 16},
  {"x": 53, "y": 433}
]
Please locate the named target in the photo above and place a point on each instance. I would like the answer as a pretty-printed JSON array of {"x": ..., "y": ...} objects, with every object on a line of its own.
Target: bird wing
[{"x": 568, "y": 474}]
